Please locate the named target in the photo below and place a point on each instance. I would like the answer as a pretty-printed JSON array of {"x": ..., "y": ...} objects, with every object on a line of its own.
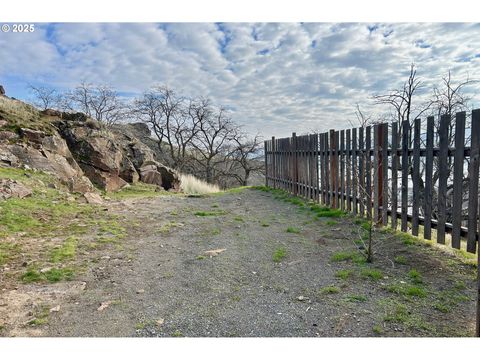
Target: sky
[{"x": 274, "y": 78}]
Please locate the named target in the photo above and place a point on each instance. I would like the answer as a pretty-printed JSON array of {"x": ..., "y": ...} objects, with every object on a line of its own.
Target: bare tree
[
  {"x": 44, "y": 97},
  {"x": 215, "y": 131},
  {"x": 244, "y": 158},
  {"x": 100, "y": 102},
  {"x": 173, "y": 121},
  {"x": 401, "y": 100}
]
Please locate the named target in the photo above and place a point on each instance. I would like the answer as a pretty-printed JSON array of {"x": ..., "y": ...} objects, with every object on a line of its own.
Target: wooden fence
[{"x": 421, "y": 174}]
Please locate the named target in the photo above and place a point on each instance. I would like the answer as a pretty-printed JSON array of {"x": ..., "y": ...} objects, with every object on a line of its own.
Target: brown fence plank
[
  {"x": 322, "y": 168},
  {"x": 443, "y": 173},
  {"x": 405, "y": 165},
  {"x": 337, "y": 170},
  {"x": 416, "y": 177},
  {"x": 347, "y": 166},
  {"x": 333, "y": 169},
  {"x": 394, "y": 175},
  {"x": 473, "y": 180},
  {"x": 458, "y": 178},
  {"x": 376, "y": 173},
  {"x": 354, "y": 172},
  {"x": 342, "y": 169},
  {"x": 427, "y": 226},
  {"x": 327, "y": 170},
  {"x": 384, "y": 171},
  {"x": 361, "y": 172},
  {"x": 368, "y": 171}
]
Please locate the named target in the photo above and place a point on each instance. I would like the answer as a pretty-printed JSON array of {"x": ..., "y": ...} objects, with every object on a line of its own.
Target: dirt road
[{"x": 278, "y": 271}]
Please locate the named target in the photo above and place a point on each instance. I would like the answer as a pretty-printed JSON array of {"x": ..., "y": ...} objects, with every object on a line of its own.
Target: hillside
[{"x": 79, "y": 151}]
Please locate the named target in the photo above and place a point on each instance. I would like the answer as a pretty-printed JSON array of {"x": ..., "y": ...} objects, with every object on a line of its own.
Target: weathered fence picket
[{"x": 404, "y": 177}]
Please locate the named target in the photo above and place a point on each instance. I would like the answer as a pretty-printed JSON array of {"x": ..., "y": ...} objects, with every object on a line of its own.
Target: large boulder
[
  {"x": 161, "y": 175},
  {"x": 98, "y": 155}
]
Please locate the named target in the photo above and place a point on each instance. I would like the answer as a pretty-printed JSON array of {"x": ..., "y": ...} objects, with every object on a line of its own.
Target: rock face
[
  {"x": 82, "y": 153},
  {"x": 2, "y": 91},
  {"x": 12, "y": 188}
]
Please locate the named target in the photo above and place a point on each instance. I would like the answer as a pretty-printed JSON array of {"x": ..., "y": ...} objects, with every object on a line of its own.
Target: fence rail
[{"x": 403, "y": 175}]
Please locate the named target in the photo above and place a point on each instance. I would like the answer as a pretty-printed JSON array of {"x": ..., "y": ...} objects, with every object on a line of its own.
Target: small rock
[
  {"x": 52, "y": 186},
  {"x": 24, "y": 264},
  {"x": 44, "y": 270},
  {"x": 104, "y": 305},
  {"x": 93, "y": 198},
  {"x": 160, "y": 322},
  {"x": 140, "y": 291},
  {"x": 70, "y": 199},
  {"x": 55, "y": 309},
  {"x": 106, "y": 257},
  {"x": 302, "y": 298}
]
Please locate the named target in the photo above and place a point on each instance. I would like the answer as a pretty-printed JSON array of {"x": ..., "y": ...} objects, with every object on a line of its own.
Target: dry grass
[
  {"x": 17, "y": 108},
  {"x": 190, "y": 185}
]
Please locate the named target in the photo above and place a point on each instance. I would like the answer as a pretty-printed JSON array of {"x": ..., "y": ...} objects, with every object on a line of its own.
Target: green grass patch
[
  {"x": 238, "y": 218},
  {"x": 407, "y": 290},
  {"x": 400, "y": 259},
  {"x": 373, "y": 274},
  {"x": 177, "y": 333},
  {"x": 344, "y": 274},
  {"x": 377, "y": 329},
  {"x": 32, "y": 275},
  {"x": 64, "y": 252},
  {"x": 329, "y": 290},
  {"x": 293, "y": 230},
  {"x": 356, "y": 298},
  {"x": 331, "y": 222},
  {"x": 415, "y": 276},
  {"x": 8, "y": 251},
  {"x": 354, "y": 256},
  {"x": 279, "y": 254},
  {"x": 210, "y": 213}
]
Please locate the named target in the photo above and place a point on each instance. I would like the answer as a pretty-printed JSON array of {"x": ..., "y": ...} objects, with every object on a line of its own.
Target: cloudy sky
[{"x": 274, "y": 78}]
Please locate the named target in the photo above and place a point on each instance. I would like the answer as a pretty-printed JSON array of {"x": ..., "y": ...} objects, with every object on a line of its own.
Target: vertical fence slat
[
  {"x": 384, "y": 178},
  {"x": 416, "y": 177},
  {"x": 361, "y": 171},
  {"x": 354, "y": 171},
  {"x": 322, "y": 168},
  {"x": 458, "y": 163},
  {"x": 427, "y": 203},
  {"x": 337, "y": 175},
  {"x": 442, "y": 177},
  {"x": 368, "y": 170},
  {"x": 333, "y": 169},
  {"x": 473, "y": 181},
  {"x": 376, "y": 173},
  {"x": 327, "y": 169},
  {"x": 405, "y": 131},
  {"x": 342, "y": 169},
  {"x": 394, "y": 175},
  {"x": 347, "y": 166}
]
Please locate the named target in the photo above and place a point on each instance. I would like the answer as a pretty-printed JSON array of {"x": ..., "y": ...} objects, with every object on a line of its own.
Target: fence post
[
  {"x": 273, "y": 172},
  {"x": 295, "y": 164},
  {"x": 333, "y": 169},
  {"x": 376, "y": 173},
  {"x": 266, "y": 163}
]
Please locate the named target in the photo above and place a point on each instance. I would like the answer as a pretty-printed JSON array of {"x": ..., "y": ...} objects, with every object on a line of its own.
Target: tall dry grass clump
[
  {"x": 17, "y": 108},
  {"x": 191, "y": 185}
]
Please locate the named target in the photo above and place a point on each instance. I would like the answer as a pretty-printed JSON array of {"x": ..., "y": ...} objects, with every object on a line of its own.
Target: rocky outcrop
[
  {"x": 2, "y": 91},
  {"x": 82, "y": 153}
]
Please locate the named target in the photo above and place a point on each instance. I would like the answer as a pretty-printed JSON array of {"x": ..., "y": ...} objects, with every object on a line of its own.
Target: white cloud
[{"x": 276, "y": 77}]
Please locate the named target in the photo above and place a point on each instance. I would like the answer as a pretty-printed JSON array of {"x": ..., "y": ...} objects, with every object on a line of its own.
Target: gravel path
[{"x": 160, "y": 281}]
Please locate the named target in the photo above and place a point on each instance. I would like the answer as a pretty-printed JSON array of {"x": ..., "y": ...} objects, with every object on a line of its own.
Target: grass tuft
[{"x": 279, "y": 254}]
